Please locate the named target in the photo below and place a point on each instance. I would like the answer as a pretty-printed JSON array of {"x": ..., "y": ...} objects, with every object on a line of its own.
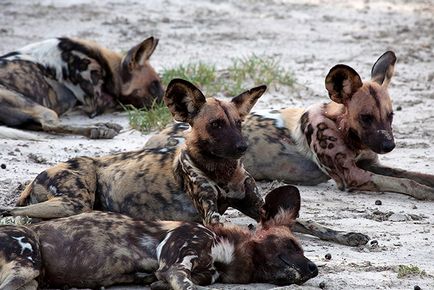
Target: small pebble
[
  {"x": 374, "y": 243},
  {"x": 399, "y": 108},
  {"x": 3, "y": 166},
  {"x": 378, "y": 202},
  {"x": 417, "y": 288},
  {"x": 328, "y": 256},
  {"x": 322, "y": 285}
]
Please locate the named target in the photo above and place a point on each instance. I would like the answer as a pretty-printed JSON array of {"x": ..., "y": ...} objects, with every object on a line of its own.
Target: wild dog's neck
[
  {"x": 339, "y": 114},
  {"x": 115, "y": 67},
  {"x": 217, "y": 168},
  {"x": 233, "y": 255}
]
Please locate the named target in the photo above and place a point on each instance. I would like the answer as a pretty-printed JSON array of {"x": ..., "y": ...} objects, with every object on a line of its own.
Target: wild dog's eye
[
  {"x": 367, "y": 119},
  {"x": 216, "y": 124}
]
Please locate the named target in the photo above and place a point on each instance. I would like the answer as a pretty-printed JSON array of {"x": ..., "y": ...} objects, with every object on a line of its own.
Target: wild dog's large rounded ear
[
  {"x": 382, "y": 70},
  {"x": 245, "y": 101},
  {"x": 342, "y": 82},
  {"x": 140, "y": 53},
  {"x": 184, "y": 100},
  {"x": 281, "y": 207}
]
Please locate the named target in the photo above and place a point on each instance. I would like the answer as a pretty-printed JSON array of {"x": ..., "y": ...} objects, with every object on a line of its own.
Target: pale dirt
[{"x": 309, "y": 37}]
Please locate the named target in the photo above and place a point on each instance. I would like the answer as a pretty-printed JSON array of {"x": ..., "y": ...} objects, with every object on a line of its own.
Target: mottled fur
[
  {"x": 338, "y": 140},
  {"x": 100, "y": 249},
  {"x": 42, "y": 81},
  {"x": 197, "y": 182}
]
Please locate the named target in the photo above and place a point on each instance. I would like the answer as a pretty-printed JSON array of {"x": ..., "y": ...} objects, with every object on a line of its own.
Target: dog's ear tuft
[
  {"x": 382, "y": 70},
  {"x": 139, "y": 54},
  {"x": 245, "y": 101},
  {"x": 184, "y": 100},
  {"x": 281, "y": 207},
  {"x": 342, "y": 82}
]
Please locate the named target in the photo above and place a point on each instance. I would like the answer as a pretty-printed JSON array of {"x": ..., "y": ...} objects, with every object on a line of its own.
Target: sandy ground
[{"x": 309, "y": 36}]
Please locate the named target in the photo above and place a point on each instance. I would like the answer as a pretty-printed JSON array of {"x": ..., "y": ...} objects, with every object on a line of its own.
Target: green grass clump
[
  {"x": 242, "y": 74},
  {"x": 252, "y": 71},
  {"x": 409, "y": 270},
  {"x": 146, "y": 120}
]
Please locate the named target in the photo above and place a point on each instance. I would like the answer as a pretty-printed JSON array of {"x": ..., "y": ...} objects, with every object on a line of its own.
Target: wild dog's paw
[
  {"x": 354, "y": 239},
  {"x": 113, "y": 126},
  {"x": 143, "y": 278},
  {"x": 104, "y": 130},
  {"x": 214, "y": 219},
  {"x": 5, "y": 211},
  {"x": 160, "y": 285}
]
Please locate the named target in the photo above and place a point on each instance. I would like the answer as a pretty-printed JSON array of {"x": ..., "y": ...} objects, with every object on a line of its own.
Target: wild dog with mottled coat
[
  {"x": 97, "y": 249},
  {"x": 196, "y": 182},
  {"x": 42, "y": 81},
  {"x": 338, "y": 140}
]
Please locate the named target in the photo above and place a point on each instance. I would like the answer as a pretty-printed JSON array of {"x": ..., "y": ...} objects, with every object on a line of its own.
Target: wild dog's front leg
[
  {"x": 252, "y": 201},
  {"x": 338, "y": 160},
  {"x": 343, "y": 169},
  {"x": 345, "y": 238},
  {"x": 375, "y": 167},
  {"x": 177, "y": 277},
  {"x": 204, "y": 195}
]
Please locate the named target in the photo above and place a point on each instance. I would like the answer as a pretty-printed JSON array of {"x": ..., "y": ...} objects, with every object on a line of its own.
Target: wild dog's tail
[{"x": 11, "y": 133}]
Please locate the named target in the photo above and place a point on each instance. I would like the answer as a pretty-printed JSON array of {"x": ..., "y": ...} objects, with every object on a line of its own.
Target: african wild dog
[
  {"x": 338, "y": 140},
  {"x": 193, "y": 183},
  {"x": 42, "y": 81},
  {"x": 100, "y": 249},
  {"x": 198, "y": 180}
]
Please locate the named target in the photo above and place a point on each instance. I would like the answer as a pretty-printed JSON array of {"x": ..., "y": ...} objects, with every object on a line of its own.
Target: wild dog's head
[
  {"x": 140, "y": 84},
  {"x": 277, "y": 255},
  {"x": 215, "y": 124},
  {"x": 369, "y": 107}
]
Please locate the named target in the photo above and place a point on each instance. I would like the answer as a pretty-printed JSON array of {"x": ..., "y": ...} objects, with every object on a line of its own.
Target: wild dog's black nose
[
  {"x": 241, "y": 147},
  {"x": 313, "y": 269},
  {"x": 156, "y": 90},
  {"x": 388, "y": 146}
]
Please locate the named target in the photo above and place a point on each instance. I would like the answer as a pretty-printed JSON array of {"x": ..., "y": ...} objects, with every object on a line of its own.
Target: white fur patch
[
  {"x": 24, "y": 245},
  {"x": 161, "y": 245},
  {"x": 223, "y": 251},
  {"x": 48, "y": 54},
  {"x": 273, "y": 115},
  {"x": 186, "y": 261}
]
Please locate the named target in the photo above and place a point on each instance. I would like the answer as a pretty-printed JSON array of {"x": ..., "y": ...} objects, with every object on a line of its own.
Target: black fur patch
[{"x": 68, "y": 45}]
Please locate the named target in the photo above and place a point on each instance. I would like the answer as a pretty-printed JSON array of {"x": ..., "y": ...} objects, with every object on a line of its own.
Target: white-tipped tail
[{"x": 11, "y": 133}]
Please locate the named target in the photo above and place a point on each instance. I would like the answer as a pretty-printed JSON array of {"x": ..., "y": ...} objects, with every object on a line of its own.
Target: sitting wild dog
[
  {"x": 197, "y": 182},
  {"x": 338, "y": 140},
  {"x": 97, "y": 249},
  {"x": 41, "y": 81}
]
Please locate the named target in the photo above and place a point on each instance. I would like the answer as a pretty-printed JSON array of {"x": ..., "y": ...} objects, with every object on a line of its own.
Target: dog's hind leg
[
  {"x": 345, "y": 238},
  {"x": 63, "y": 190},
  {"x": 17, "y": 111}
]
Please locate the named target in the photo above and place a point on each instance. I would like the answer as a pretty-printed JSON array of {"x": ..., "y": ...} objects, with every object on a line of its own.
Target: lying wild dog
[
  {"x": 196, "y": 182},
  {"x": 97, "y": 249},
  {"x": 338, "y": 140},
  {"x": 41, "y": 81}
]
